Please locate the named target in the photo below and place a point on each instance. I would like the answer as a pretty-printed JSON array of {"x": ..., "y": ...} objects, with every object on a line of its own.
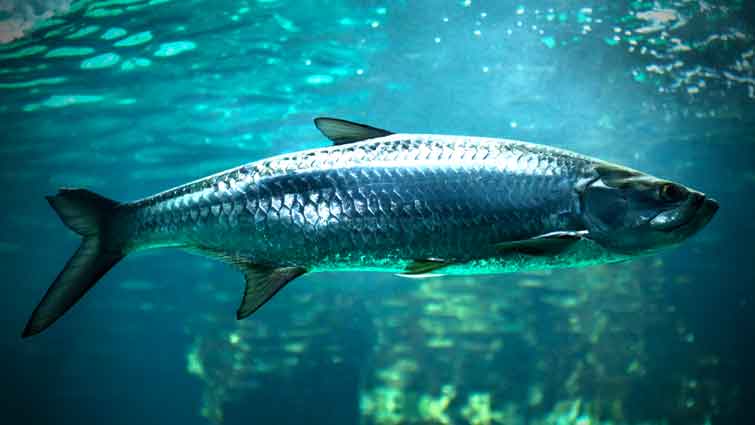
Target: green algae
[
  {"x": 479, "y": 411},
  {"x": 434, "y": 409},
  {"x": 193, "y": 363}
]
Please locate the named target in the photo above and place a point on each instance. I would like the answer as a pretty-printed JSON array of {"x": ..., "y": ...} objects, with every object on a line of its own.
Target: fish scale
[
  {"x": 413, "y": 204},
  {"x": 400, "y": 196}
]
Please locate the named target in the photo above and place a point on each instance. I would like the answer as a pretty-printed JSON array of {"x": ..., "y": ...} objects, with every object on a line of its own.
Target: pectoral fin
[
  {"x": 262, "y": 282},
  {"x": 425, "y": 266},
  {"x": 548, "y": 244}
]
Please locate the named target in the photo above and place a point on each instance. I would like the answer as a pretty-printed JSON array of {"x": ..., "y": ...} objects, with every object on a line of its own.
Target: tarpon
[{"x": 413, "y": 204}]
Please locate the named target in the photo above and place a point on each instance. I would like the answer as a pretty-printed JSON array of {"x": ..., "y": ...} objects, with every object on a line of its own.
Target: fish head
[{"x": 633, "y": 213}]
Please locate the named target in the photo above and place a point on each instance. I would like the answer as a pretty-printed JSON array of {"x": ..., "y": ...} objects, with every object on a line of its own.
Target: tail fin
[{"x": 87, "y": 214}]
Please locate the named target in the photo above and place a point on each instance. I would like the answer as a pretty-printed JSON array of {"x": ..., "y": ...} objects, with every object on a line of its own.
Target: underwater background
[{"x": 131, "y": 97}]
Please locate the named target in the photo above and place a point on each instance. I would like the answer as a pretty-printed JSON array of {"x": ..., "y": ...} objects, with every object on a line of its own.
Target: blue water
[{"x": 130, "y": 97}]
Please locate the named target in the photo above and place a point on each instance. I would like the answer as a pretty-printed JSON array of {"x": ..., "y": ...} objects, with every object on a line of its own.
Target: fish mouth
[
  {"x": 689, "y": 218},
  {"x": 706, "y": 211}
]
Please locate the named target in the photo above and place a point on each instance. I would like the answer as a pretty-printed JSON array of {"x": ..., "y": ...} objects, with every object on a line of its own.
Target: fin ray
[
  {"x": 86, "y": 213},
  {"x": 83, "y": 211},
  {"x": 262, "y": 283}
]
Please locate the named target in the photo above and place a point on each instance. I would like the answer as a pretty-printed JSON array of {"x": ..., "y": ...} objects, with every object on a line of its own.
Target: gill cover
[{"x": 632, "y": 213}]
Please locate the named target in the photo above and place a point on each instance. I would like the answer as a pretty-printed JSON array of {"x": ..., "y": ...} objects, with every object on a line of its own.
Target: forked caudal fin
[{"x": 89, "y": 215}]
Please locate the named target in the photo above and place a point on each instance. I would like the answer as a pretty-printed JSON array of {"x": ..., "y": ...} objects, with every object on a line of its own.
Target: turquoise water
[{"x": 130, "y": 97}]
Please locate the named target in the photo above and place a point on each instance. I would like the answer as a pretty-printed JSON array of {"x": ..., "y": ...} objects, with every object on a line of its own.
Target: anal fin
[{"x": 262, "y": 283}]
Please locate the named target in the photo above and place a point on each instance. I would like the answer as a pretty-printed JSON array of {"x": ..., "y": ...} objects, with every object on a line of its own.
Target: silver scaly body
[
  {"x": 409, "y": 203},
  {"x": 379, "y": 204}
]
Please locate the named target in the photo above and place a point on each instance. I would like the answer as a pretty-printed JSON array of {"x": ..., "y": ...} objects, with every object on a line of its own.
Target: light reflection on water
[{"x": 132, "y": 97}]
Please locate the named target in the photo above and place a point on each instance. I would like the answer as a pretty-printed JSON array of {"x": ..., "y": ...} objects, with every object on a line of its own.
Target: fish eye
[{"x": 671, "y": 192}]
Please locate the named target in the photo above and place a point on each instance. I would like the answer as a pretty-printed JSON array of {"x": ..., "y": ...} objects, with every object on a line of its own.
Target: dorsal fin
[{"x": 342, "y": 132}]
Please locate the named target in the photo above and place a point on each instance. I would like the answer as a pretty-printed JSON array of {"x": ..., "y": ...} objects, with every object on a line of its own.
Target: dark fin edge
[
  {"x": 87, "y": 214},
  {"x": 342, "y": 132},
  {"x": 262, "y": 283}
]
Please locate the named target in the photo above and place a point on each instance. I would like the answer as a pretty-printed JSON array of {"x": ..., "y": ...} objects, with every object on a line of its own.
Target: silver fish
[{"x": 413, "y": 204}]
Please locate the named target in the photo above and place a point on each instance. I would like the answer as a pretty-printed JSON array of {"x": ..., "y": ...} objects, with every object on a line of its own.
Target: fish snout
[
  {"x": 710, "y": 206},
  {"x": 702, "y": 209},
  {"x": 703, "y": 205}
]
